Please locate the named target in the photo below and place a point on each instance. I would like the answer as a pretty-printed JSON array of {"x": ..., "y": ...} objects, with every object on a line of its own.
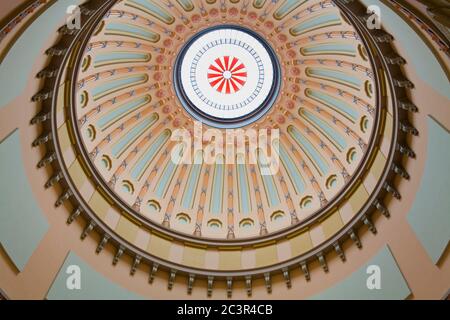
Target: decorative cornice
[{"x": 384, "y": 58}]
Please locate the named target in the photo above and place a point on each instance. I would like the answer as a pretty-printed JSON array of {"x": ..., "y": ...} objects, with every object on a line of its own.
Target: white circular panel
[{"x": 227, "y": 74}]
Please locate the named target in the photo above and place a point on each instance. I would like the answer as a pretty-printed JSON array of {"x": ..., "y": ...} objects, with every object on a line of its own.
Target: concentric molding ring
[
  {"x": 222, "y": 123},
  {"x": 72, "y": 193},
  {"x": 325, "y": 211}
]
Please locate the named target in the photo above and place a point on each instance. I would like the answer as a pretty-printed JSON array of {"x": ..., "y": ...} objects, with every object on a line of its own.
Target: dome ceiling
[
  {"x": 127, "y": 109},
  {"x": 129, "y": 85},
  {"x": 306, "y": 72}
]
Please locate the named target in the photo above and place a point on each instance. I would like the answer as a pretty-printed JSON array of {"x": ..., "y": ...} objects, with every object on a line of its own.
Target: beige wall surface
[{"x": 425, "y": 279}]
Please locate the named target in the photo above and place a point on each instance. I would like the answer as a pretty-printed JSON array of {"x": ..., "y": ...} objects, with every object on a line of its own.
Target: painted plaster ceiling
[{"x": 306, "y": 69}]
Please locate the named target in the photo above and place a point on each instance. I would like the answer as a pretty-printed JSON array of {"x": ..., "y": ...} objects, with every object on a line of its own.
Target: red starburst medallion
[{"x": 227, "y": 75}]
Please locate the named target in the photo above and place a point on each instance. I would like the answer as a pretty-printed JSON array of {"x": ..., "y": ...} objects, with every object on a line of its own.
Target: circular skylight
[{"x": 227, "y": 76}]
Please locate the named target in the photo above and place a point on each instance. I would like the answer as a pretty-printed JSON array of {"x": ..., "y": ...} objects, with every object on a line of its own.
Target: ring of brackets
[{"x": 387, "y": 59}]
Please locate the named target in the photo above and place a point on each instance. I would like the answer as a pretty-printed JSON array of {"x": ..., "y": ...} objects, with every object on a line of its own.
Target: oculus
[{"x": 227, "y": 76}]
